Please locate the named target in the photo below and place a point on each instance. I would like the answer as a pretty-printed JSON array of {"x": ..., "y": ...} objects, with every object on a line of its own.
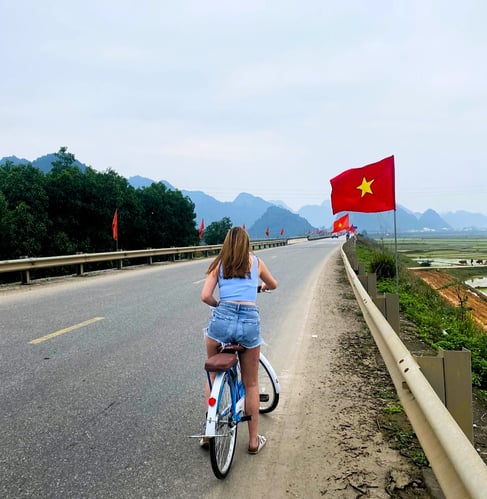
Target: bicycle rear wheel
[
  {"x": 268, "y": 394},
  {"x": 222, "y": 445}
]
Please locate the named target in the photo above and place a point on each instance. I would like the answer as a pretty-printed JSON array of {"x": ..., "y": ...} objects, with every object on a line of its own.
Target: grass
[{"x": 424, "y": 307}]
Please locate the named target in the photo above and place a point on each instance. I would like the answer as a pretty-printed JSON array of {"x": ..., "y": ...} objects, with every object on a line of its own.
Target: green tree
[
  {"x": 26, "y": 234},
  {"x": 64, "y": 159},
  {"x": 103, "y": 193},
  {"x": 76, "y": 208},
  {"x": 169, "y": 217},
  {"x": 215, "y": 232},
  {"x": 66, "y": 190},
  {"x": 119, "y": 194},
  {"x": 5, "y": 229},
  {"x": 25, "y": 211}
]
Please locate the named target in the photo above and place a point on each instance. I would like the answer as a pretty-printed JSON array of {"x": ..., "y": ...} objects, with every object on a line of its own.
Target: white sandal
[{"x": 262, "y": 441}]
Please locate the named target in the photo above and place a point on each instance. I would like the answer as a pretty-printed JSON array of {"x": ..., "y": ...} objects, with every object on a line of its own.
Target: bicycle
[{"x": 227, "y": 402}]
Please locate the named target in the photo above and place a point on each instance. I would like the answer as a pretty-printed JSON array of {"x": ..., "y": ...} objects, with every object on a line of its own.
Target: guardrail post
[
  {"x": 24, "y": 275},
  {"x": 361, "y": 269},
  {"x": 353, "y": 261},
  {"x": 450, "y": 376},
  {"x": 80, "y": 266},
  {"x": 369, "y": 282},
  {"x": 388, "y": 304}
]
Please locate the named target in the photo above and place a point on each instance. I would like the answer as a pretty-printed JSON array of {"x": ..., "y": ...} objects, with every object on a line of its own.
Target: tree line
[{"x": 67, "y": 210}]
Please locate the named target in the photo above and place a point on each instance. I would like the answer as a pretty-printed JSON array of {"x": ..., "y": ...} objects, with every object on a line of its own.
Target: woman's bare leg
[
  {"x": 249, "y": 366},
  {"x": 211, "y": 349}
]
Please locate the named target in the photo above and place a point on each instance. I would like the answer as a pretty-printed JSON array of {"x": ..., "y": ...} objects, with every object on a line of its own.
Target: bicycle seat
[{"x": 221, "y": 361}]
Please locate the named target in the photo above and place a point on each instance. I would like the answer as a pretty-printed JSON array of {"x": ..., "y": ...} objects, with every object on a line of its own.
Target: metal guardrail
[
  {"x": 25, "y": 265},
  {"x": 460, "y": 471}
]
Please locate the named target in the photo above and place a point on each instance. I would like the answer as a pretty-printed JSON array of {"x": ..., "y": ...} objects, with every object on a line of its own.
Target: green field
[{"x": 454, "y": 248}]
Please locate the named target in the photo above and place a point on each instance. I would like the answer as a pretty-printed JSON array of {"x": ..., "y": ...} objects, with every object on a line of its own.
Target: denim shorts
[{"x": 235, "y": 323}]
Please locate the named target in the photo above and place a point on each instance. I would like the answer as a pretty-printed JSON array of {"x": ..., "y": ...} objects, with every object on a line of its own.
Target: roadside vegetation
[
  {"x": 435, "y": 323},
  {"x": 439, "y": 324},
  {"x": 68, "y": 210}
]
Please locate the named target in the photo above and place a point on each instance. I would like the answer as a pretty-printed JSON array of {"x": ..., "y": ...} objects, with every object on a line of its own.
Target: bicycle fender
[
  {"x": 272, "y": 373},
  {"x": 211, "y": 415}
]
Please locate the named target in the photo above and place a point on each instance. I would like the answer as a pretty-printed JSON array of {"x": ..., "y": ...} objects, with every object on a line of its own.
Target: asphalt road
[{"x": 101, "y": 377}]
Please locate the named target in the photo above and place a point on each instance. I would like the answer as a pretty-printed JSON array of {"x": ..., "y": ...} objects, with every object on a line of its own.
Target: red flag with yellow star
[
  {"x": 341, "y": 223},
  {"x": 368, "y": 189}
]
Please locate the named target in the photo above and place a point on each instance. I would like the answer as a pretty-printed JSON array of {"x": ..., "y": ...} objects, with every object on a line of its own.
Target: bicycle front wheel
[
  {"x": 222, "y": 445},
  {"x": 268, "y": 393}
]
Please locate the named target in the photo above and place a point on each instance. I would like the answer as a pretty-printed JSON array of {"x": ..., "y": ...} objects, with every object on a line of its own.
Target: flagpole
[{"x": 395, "y": 254}]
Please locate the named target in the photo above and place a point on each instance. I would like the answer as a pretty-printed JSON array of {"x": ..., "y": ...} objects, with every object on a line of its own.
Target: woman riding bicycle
[{"x": 235, "y": 318}]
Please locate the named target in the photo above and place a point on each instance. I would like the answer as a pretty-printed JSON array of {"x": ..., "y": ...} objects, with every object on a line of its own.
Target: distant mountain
[
  {"x": 14, "y": 160},
  {"x": 278, "y": 219},
  {"x": 250, "y": 210},
  {"x": 430, "y": 220},
  {"x": 244, "y": 209},
  {"x": 320, "y": 216},
  {"x": 406, "y": 222},
  {"x": 44, "y": 163},
  {"x": 137, "y": 181},
  {"x": 464, "y": 220},
  {"x": 281, "y": 204}
]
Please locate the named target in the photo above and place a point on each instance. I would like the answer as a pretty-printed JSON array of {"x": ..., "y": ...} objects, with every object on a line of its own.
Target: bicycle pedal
[
  {"x": 264, "y": 397},
  {"x": 246, "y": 418}
]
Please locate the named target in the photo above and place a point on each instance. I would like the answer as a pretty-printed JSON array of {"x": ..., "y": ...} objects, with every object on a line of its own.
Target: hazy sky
[{"x": 273, "y": 98}]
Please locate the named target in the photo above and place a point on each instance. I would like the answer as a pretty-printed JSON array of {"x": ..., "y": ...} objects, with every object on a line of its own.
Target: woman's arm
[
  {"x": 267, "y": 278},
  {"x": 209, "y": 288}
]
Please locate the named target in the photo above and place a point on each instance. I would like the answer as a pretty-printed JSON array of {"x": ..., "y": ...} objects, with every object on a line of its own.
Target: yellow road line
[{"x": 65, "y": 330}]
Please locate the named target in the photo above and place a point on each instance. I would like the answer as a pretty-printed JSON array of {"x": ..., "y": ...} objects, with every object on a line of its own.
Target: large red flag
[
  {"x": 202, "y": 228},
  {"x": 341, "y": 223},
  {"x": 115, "y": 225},
  {"x": 368, "y": 189}
]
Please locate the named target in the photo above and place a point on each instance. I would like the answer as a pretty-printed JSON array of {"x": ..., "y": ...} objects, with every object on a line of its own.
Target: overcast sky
[{"x": 272, "y": 98}]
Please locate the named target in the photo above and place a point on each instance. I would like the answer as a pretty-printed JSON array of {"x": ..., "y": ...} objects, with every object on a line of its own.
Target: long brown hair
[{"x": 234, "y": 255}]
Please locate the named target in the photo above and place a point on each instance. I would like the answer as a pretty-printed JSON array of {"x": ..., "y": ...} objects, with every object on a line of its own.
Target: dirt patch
[
  {"x": 455, "y": 291},
  {"x": 346, "y": 435},
  {"x": 333, "y": 436}
]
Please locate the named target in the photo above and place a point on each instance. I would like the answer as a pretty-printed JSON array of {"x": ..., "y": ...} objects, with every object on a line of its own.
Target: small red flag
[
  {"x": 202, "y": 228},
  {"x": 282, "y": 231},
  {"x": 115, "y": 225},
  {"x": 243, "y": 227},
  {"x": 267, "y": 232},
  {"x": 368, "y": 189},
  {"x": 341, "y": 223}
]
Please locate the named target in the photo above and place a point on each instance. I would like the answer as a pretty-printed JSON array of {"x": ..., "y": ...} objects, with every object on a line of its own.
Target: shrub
[{"x": 383, "y": 265}]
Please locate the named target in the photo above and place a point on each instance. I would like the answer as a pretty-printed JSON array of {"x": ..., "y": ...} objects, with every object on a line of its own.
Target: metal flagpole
[{"x": 395, "y": 253}]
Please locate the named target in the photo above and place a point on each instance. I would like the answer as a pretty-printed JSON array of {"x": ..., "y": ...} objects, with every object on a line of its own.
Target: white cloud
[{"x": 222, "y": 95}]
